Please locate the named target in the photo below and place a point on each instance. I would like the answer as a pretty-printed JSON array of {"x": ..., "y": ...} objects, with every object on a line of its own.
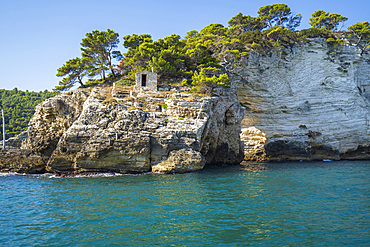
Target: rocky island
[
  {"x": 256, "y": 91},
  {"x": 106, "y": 130},
  {"x": 296, "y": 107}
]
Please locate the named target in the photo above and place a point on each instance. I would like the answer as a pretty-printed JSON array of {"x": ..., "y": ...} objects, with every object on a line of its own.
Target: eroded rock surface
[
  {"x": 21, "y": 160},
  {"x": 183, "y": 160},
  {"x": 92, "y": 132},
  {"x": 254, "y": 144},
  {"x": 310, "y": 102},
  {"x": 51, "y": 119},
  {"x": 306, "y": 103}
]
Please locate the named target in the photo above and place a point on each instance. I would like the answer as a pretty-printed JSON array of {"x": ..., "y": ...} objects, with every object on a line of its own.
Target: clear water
[{"x": 289, "y": 204}]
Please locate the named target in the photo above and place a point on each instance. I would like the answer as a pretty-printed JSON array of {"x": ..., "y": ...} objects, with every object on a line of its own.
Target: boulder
[{"x": 180, "y": 161}]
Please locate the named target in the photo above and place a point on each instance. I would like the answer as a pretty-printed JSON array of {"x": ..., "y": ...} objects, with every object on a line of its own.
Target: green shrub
[
  {"x": 204, "y": 77},
  {"x": 141, "y": 99},
  {"x": 93, "y": 82},
  {"x": 311, "y": 33},
  {"x": 184, "y": 82},
  {"x": 125, "y": 82}
]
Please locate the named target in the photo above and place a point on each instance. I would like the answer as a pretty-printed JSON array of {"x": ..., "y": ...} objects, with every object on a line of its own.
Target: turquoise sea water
[{"x": 289, "y": 204}]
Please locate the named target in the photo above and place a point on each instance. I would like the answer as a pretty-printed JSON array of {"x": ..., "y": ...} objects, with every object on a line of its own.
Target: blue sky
[{"x": 39, "y": 36}]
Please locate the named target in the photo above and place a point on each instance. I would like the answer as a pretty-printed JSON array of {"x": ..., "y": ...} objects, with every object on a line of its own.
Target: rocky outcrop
[
  {"x": 51, "y": 119},
  {"x": 254, "y": 144},
  {"x": 155, "y": 131},
  {"x": 310, "y": 101},
  {"x": 183, "y": 160},
  {"x": 21, "y": 160}
]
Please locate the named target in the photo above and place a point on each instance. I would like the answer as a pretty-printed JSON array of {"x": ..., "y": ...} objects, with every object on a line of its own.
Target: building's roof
[{"x": 145, "y": 72}]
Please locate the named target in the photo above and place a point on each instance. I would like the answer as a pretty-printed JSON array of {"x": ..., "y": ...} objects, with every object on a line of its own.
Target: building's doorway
[{"x": 143, "y": 80}]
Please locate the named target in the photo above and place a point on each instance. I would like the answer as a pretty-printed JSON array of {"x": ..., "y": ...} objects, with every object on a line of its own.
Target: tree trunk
[
  {"x": 103, "y": 72},
  {"x": 359, "y": 39},
  {"x": 114, "y": 75},
  {"x": 80, "y": 81}
]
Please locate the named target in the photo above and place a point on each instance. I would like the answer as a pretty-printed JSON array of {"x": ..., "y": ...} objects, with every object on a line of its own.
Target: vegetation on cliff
[
  {"x": 206, "y": 52},
  {"x": 361, "y": 32},
  {"x": 19, "y": 107}
]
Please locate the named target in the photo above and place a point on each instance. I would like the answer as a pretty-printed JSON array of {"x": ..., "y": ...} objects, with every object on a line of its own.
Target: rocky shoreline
[
  {"x": 306, "y": 103},
  {"x": 88, "y": 132}
]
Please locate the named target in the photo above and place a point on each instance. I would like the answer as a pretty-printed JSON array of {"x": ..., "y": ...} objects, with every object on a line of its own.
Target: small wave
[
  {"x": 98, "y": 175},
  {"x": 93, "y": 174},
  {"x": 7, "y": 174},
  {"x": 81, "y": 175}
]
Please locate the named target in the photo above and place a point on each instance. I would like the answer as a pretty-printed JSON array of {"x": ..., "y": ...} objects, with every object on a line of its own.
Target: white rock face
[{"x": 311, "y": 105}]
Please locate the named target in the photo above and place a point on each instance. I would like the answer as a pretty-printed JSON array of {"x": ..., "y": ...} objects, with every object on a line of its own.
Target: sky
[{"x": 39, "y": 36}]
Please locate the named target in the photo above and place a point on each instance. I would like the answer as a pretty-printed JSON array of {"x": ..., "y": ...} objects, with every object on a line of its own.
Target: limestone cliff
[
  {"x": 85, "y": 131},
  {"x": 309, "y": 102},
  {"x": 51, "y": 119}
]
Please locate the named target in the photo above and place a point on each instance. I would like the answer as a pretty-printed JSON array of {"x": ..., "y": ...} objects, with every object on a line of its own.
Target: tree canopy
[
  {"x": 323, "y": 20},
  {"x": 279, "y": 15},
  {"x": 97, "y": 58},
  {"x": 98, "y": 47},
  {"x": 241, "y": 23},
  {"x": 74, "y": 70}
]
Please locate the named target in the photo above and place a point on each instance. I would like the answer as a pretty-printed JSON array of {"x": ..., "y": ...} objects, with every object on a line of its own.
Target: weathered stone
[
  {"x": 51, "y": 119},
  {"x": 219, "y": 145},
  {"x": 254, "y": 144},
  {"x": 305, "y": 104},
  {"x": 21, "y": 160},
  {"x": 179, "y": 161},
  {"x": 113, "y": 138},
  {"x": 309, "y": 103}
]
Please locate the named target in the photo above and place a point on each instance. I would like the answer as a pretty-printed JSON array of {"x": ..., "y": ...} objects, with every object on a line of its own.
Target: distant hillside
[{"x": 19, "y": 107}]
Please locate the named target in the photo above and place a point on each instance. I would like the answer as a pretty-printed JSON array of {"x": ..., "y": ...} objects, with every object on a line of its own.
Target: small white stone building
[{"x": 146, "y": 81}]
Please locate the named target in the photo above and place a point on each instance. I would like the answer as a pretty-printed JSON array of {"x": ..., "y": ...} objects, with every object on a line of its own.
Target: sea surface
[{"x": 282, "y": 204}]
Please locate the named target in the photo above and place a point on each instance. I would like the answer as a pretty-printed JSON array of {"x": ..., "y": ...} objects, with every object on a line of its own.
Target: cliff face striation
[
  {"x": 307, "y": 103},
  {"x": 84, "y": 131}
]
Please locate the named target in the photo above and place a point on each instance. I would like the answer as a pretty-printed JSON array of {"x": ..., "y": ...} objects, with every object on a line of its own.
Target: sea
[{"x": 271, "y": 204}]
